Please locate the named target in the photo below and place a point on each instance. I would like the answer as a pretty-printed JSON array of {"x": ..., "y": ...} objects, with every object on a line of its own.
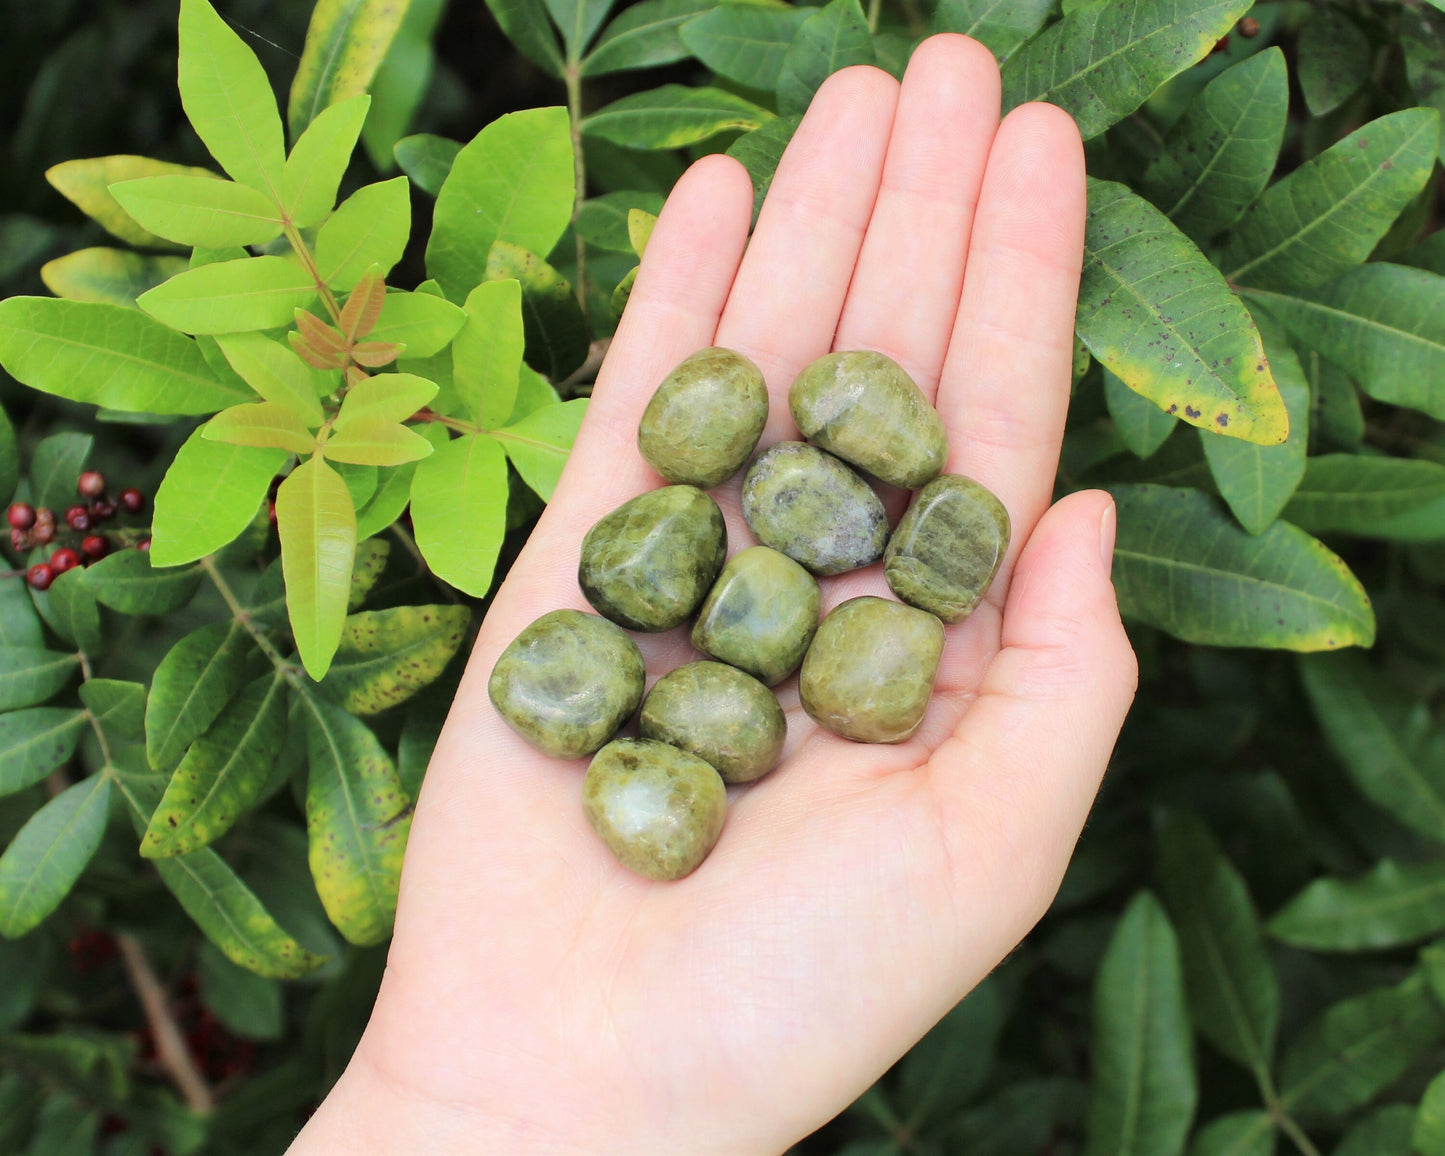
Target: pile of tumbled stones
[{"x": 570, "y": 681}]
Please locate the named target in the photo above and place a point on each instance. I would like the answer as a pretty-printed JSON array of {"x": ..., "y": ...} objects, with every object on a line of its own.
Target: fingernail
[{"x": 1108, "y": 525}]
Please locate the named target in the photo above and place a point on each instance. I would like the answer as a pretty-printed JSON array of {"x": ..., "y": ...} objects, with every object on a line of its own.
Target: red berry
[
  {"x": 132, "y": 499},
  {"x": 102, "y": 508},
  {"x": 40, "y": 576},
  {"x": 21, "y": 515},
  {"x": 90, "y": 484},
  {"x": 144, "y": 544},
  {"x": 21, "y": 540},
  {"x": 78, "y": 518},
  {"x": 95, "y": 546},
  {"x": 44, "y": 533},
  {"x": 64, "y": 559}
]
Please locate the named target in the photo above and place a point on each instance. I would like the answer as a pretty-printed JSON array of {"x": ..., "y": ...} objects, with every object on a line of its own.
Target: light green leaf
[
  {"x": 30, "y": 674},
  {"x": 208, "y": 497},
  {"x": 578, "y": 21},
  {"x": 231, "y": 296},
  {"x": 45, "y": 859},
  {"x": 640, "y": 224},
  {"x": 1144, "y": 1091},
  {"x": 262, "y": 424},
  {"x": 345, "y": 44},
  {"x": 745, "y": 43},
  {"x": 86, "y": 184},
  {"x": 198, "y": 676},
  {"x": 1218, "y": 157},
  {"x": 116, "y": 276},
  {"x": 421, "y": 322},
  {"x": 427, "y": 160},
  {"x": 370, "y": 228},
  {"x": 275, "y": 372},
  {"x": 1328, "y": 214},
  {"x": 319, "y": 160},
  {"x": 249, "y": 1005},
  {"x": 1141, "y": 424},
  {"x": 1428, "y": 1136},
  {"x": 760, "y": 151},
  {"x": 487, "y": 352},
  {"x": 556, "y": 334},
  {"x": 1371, "y": 497},
  {"x": 317, "y": 522},
  {"x": 526, "y": 26},
  {"x": 1334, "y": 60},
  {"x": 228, "y": 99},
  {"x": 1103, "y": 61},
  {"x": 515, "y": 182},
  {"x": 673, "y": 116},
  {"x": 107, "y": 355},
  {"x": 223, "y": 772},
  {"x": 643, "y": 36},
  {"x": 464, "y": 480},
  {"x": 1384, "y": 739},
  {"x": 127, "y": 582},
  {"x": 357, "y": 819},
  {"x": 1247, "y": 1133},
  {"x": 1181, "y": 565},
  {"x": 375, "y": 443},
  {"x": 386, "y": 656},
  {"x": 1388, "y": 906},
  {"x": 199, "y": 210},
  {"x": 117, "y": 707},
  {"x": 623, "y": 292},
  {"x": 391, "y": 397},
  {"x": 1000, "y": 25},
  {"x": 533, "y": 392},
  {"x": 387, "y": 504},
  {"x": 34, "y": 742},
  {"x": 1154, "y": 311},
  {"x": 366, "y": 570},
  {"x": 71, "y": 610},
  {"x": 539, "y": 443},
  {"x": 834, "y": 37},
  {"x": 402, "y": 81},
  {"x": 602, "y": 221}
]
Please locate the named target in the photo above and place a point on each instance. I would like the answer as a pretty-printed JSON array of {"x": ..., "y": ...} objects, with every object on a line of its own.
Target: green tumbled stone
[
  {"x": 947, "y": 548},
  {"x": 657, "y": 808},
  {"x": 723, "y": 716},
  {"x": 760, "y": 614},
  {"x": 704, "y": 419},
  {"x": 567, "y": 683},
  {"x": 863, "y": 407},
  {"x": 869, "y": 673},
  {"x": 649, "y": 563},
  {"x": 814, "y": 509}
]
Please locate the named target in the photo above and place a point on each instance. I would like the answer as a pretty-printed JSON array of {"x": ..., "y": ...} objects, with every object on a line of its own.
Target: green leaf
[
  {"x": 117, "y": 707},
  {"x": 208, "y": 497},
  {"x": 370, "y": 561},
  {"x": 1383, "y": 739},
  {"x": 1000, "y": 25},
  {"x": 527, "y": 27},
  {"x": 1335, "y": 414},
  {"x": 223, "y": 772},
  {"x": 1385, "y": 1132},
  {"x": 556, "y": 334},
  {"x": 1102, "y": 61},
  {"x": 200, "y": 210},
  {"x": 1422, "y": 37},
  {"x": 834, "y": 37},
  {"x": 487, "y": 352},
  {"x": 388, "y": 397},
  {"x": 1428, "y": 1137},
  {"x": 55, "y": 465},
  {"x": 249, "y": 1005},
  {"x": 421, "y": 322},
  {"x": 463, "y": 482},
  {"x": 623, "y": 292},
  {"x": 1218, "y": 157},
  {"x": 745, "y": 43},
  {"x": 387, "y": 504},
  {"x": 760, "y": 151},
  {"x": 539, "y": 443},
  {"x": 643, "y": 36},
  {"x": 34, "y": 742},
  {"x": 386, "y": 656},
  {"x": 86, "y": 184},
  {"x": 116, "y": 276},
  {"x": 533, "y": 392},
  {"x": 264, "y": 424},
  {"x": 9, "y": 464},
  {"x": 602, "y": 221},
  {"x": 1388, "y": 906},
  {"x": 1154, "y": 311},
  {"x": 317, "y": 522},
  {"x": 578, "y": 21},
  {"x": 319, "y": 160},
  {"x": 29, "y": 674},
  {"x": 1334, "y": 60},
  {"x": 1142, "y": 425},
  {"x": 65, "y": 1127},
  {"x": 514, "y": 182},
  {"x": 402, "y": 81},
  {"x": 673, "y": 116},
  {"x": 1144, "y": 1084},
  {"x": 96, "y": 1064},
  {"x": 275, "y": 372},
  {"x": 127, "y": 582},
  {"x": 1328, "y": 214},
  {"x": 71, "y": 610},
  {"x": 1182, "y": 566},
  {"x": 345, "y": 44},
  {"x": 357, "y": 819},
  {"x": 107, "y": 355},
  {"x": 45, "y": 859},
  {"x": 1357, "y": 1048},
  {"x": 231, "y": 296},
  {"x": 19, "y": 625},
  {"x": 949, "y": 1065},
  {"x": 228, "y": 99},
  {"x": 1247, "y": 1133},
  {"x": 1382, "y": 324},
  {"x": 376, "y": 443},
  {"x": 370, "y": 228},
  {"x": 427, "y": 160},
  {"x": 1368, "y": 496},
  {"x": 639, "y": 229},
  {"x": 192, "y": 684}
]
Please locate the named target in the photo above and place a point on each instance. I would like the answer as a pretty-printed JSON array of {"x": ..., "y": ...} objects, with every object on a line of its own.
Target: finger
[
  {"x": 905, "y": 289},
  {"x": 1005, "y": 388}
]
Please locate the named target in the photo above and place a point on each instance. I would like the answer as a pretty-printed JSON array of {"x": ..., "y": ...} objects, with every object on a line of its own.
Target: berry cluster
[{"x": 31, "y": 527}]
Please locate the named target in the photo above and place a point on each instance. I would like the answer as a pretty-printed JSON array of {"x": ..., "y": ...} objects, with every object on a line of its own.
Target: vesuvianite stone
[
  {"x": 869, "y": 673},
  {"x": 725, "y": 717},
  {"x": 760, "y": 614},
  {"x": 657, "y": 808},
  {"x": 705, "y": 418},
  {"x": 947, "y": 548},
  {"x": 813, "y": 508},
  {"x": 863, "y": 407},
  {"x": 649, "y": 563},
  {"x": 567, "y": 683}
]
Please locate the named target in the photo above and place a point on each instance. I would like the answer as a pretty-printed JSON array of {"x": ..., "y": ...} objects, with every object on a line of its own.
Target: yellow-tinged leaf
[
  {"x": 487, "y": 353},
  {"x": 86, "y": 184},
  {"x": 386, "y": 656},
  {"x": 390, "y": 397},
  {"x": 114, "y": 276},
  {"x": 261, "y": 424},
  {"x": 345, "y": 44},
  {"x": 278, "y": 374},
  {"x": 376, "y": 443},
  {"x": 639, "y": 228},
  {"x": 318, "y": 334},
  {"x": 317, "y": 524},
  {"x": 375, "y": 354}
]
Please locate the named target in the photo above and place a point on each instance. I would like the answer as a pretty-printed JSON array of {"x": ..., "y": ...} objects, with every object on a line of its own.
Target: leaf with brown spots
[{"x": 386, "y": 656}]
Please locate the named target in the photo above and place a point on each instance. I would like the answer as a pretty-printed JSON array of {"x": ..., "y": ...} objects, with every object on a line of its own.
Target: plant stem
[
  {"x": 171, "y": 1048},
  {"x": 875, "y": 9},
  {"x": 1280, "y": 1114},
  {"x": 1292, "y": 1129},
  {"x": 303, "y": 253},
  {"x": 572, "y": 76},
  {"x": 241, "y": 615}
]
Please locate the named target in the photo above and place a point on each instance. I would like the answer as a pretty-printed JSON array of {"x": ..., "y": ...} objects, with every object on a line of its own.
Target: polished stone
[
  {"x": 723, "y": 716},
  {"x": 649, "y": 564},
  {"x": 869, "y": 674},
  {"x": 567, "y": 683},
  {"x": 658, "y": 809},
  {"x": 760, "y": 614},
  {"x": 705, "y": 418},
  {"x": 948, "y": 547},
  {"x": 813, "y": 508},
  {"x": 863, "y": 407}
]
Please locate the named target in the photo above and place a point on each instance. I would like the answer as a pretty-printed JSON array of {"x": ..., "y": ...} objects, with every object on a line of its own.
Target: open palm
[{"x": 539, "y": 997}]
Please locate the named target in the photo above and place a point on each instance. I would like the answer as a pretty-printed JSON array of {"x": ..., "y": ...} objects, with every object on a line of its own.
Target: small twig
[
  {"x": 171, "y": 1048},
  {"x": 586, "y": 373}
]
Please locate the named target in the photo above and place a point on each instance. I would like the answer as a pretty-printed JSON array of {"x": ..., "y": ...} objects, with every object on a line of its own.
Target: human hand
[{"x": 541, "y": 998}]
